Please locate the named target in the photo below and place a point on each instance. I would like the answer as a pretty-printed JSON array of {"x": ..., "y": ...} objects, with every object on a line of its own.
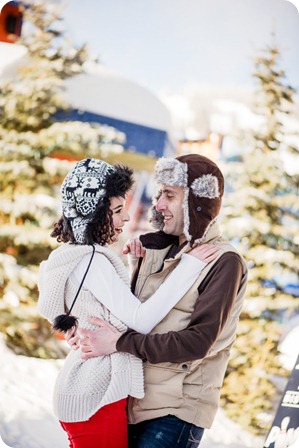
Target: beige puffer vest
[{"x": 189, "y": 390}]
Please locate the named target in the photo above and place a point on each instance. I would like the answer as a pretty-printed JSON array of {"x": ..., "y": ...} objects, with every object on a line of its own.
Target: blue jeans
[{"x": 164, "y": 432}]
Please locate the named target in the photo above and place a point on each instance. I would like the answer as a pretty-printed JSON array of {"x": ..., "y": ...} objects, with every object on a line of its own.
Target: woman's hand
[
  {"x": 205, "y": 252},
  {"x": 134, "y": 247},
  {"x": 72, "y": 338}
]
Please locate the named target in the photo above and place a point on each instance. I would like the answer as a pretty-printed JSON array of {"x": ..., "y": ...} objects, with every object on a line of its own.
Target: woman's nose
[{"x": 126, "y": 216}]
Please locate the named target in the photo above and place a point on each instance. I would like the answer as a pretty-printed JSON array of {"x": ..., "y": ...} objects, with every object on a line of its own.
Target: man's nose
[{"x": 160, "y": 205}]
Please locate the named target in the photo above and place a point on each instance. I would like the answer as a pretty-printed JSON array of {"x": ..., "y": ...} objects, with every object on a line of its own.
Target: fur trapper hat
[{"x": 203, "y": 185}]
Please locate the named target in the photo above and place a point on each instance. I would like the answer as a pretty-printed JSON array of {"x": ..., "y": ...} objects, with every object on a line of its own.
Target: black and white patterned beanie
[{"x": 81, "y": 191}]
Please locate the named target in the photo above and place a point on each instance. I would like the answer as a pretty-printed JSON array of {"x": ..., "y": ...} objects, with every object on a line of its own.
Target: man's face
[{"x": 170, "y": 204}]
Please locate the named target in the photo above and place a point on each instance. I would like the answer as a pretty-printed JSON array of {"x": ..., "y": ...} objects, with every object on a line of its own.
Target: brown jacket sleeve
[{"x": 217, "y": 294}]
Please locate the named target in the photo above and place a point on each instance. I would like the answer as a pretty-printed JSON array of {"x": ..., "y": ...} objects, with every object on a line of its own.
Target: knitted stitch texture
[{"x": 84, "y": 386}]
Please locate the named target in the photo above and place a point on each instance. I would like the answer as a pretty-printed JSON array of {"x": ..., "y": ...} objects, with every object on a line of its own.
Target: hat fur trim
[
  {"x": 171, "y": 172},
  {"x": 206, "y": 186},
  {"x": 155, "y": 217},
  {"x": 186, "y": 214},
  {"x": 200, "y": 240}
]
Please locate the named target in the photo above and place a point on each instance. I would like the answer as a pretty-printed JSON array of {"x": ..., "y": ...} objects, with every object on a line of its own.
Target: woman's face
[{"x": 119, "y": 216}]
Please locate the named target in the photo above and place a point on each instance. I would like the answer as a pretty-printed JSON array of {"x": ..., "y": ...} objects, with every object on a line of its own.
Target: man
[{"x": 186, "y": 355}]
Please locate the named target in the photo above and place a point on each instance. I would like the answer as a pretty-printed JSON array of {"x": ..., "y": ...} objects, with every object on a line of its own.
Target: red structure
[{"x": 11, "y": 22}]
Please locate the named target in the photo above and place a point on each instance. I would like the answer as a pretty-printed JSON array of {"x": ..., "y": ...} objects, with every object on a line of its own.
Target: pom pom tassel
[{"x": 64, "y": 322}]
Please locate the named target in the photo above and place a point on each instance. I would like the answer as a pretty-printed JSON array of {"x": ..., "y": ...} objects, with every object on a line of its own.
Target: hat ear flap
[
  {"x": 206, "y": 186},
  {"x": 156, "y": 218}
]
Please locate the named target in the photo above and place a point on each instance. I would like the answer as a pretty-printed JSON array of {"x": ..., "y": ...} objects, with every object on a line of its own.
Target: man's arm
[{"x": 217, "y": 294}]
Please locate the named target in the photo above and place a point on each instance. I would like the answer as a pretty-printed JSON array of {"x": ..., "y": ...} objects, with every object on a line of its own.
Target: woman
[{"x": 85, "y": 277}]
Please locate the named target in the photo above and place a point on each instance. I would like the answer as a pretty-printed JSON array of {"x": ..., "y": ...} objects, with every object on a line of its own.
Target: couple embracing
[{"x": 153, "y": 351}]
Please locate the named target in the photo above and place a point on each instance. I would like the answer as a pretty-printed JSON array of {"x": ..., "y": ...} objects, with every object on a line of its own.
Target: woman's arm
[
  {"x": 216, "y": 299},
  {"x": 106, "y": 285},
  {"x": 217, "y": 295}
]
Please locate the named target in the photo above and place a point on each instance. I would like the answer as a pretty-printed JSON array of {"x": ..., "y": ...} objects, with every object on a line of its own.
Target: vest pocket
[{"x": 163, "y": 386}]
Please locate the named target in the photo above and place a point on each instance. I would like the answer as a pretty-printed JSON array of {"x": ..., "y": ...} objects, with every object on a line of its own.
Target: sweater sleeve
[
  {"x": 217, "y": 294},
  {"x": 106, "y": 285}
]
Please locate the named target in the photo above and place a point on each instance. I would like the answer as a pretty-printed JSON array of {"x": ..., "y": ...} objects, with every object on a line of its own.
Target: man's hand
[
  {"x": 134, "y": 247},
  {"x": 99, "y": 342}
]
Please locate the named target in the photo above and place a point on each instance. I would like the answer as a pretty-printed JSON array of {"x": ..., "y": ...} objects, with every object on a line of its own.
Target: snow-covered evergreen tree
[
  {"x": 36, "y": 151},
  {"x": 261, "y": 216}
]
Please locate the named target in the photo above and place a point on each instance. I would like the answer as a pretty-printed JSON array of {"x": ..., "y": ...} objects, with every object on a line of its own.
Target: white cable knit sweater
[{"x": 83, "y": 387}]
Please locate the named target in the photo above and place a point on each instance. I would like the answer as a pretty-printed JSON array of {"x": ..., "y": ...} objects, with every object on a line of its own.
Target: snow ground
[{"x": 27, "y": 420}]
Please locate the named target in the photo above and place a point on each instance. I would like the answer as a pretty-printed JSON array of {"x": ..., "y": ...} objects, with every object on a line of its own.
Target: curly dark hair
[{"x": 100, "y": 229}]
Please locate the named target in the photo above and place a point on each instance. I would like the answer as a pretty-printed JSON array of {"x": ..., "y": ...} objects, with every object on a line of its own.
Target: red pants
[{"x": 107, "y": 428}]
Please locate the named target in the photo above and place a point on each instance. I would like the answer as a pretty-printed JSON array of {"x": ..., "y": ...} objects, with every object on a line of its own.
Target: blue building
[{"x": 102, "y": 96}]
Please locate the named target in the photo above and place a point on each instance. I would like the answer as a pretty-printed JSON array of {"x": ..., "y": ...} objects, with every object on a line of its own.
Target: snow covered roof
[
  {"x": 104, "y": 92},
  {"x": 100, "y": 91}
]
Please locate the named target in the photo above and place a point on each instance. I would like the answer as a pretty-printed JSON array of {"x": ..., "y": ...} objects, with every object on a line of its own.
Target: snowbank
[{"x": 27, "y": 420}]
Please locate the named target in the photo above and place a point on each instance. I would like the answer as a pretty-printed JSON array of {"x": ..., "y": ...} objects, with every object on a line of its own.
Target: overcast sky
[{"x": 168, "y": 44}]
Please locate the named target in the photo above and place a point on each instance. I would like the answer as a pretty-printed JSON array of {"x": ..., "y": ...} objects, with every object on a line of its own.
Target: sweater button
[{"x": 184, "y": 367}]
